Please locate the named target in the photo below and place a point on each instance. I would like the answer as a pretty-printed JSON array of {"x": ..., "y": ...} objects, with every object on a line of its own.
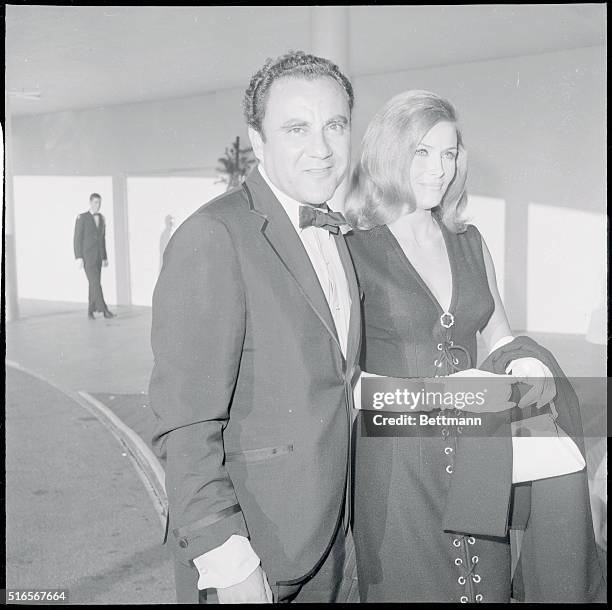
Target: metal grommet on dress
[
  {"x": 471, "y": 540},
  {"x": 475, "y": 559},
  {"x": 449, "y": 469},
  {"x": 448, "y": 450},
  {"x": 461, "y": 580},
  {"x": 458, "y": 561},
  {"x": 463, "y": 599},
  {"x": 456, "y": 542},
  {"x": 447, "y": 319},
  {"x": 476, "y": 578},
  {"x": 479, "y": 598}
]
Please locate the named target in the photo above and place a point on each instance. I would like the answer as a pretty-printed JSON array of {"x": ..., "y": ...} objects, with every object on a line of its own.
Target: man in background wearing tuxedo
[{"x": 90, "y": 253}]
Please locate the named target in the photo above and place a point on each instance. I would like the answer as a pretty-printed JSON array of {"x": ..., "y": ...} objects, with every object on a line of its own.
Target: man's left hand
[{"x": 537, "y": 375}]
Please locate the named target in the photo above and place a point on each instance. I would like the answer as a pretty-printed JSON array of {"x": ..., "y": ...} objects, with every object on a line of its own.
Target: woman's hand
[
  {"x": 495, "y": 389},
  {"x": 537, "y": 375}
]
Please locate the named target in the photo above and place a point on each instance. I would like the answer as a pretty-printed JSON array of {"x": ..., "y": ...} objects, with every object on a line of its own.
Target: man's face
[
  {"x": 306, "y": 150},
  {"x": 94, "y": 205}
]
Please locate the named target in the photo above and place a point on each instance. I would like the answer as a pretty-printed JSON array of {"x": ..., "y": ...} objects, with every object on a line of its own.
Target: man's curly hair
[{"x": 293, "y": 63}]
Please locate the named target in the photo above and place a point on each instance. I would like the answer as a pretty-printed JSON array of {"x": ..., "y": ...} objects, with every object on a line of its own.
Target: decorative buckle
[{"x": 447, "y": 316}]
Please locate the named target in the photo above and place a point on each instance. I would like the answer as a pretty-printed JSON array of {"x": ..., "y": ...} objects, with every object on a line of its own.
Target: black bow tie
[{"x": 321, "y": 216}]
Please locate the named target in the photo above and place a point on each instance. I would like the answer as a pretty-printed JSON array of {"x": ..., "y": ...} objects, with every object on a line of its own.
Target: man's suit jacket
[
  {"x": 89, "y": 239},
  {"x": 250, "y": 387}
]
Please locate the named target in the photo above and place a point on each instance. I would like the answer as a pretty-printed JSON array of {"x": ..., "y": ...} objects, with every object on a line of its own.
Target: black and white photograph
[{"x": 305, "y": 304}]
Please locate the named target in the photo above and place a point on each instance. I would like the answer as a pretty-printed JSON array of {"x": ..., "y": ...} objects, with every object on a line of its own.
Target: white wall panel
[
  {"x": 150, "y": 199},
  {"x": 566, "y": 267},
  {"x": 46, "y": 208}
]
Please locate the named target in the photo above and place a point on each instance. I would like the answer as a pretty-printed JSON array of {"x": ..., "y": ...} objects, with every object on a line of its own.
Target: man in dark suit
[
  {"x": 90, "y": 253},
  {"x": 255, "y": 333}
]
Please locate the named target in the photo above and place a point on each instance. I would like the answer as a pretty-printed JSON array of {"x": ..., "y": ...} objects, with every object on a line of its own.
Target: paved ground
[
  {"x": 78, "y": 515},
  {"x": 74, "y": 352},
  {"x": 134, "y": 410}
]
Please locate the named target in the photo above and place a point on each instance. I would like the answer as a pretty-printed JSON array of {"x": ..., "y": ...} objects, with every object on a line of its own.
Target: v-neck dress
[{"x": 403, "y": 553}]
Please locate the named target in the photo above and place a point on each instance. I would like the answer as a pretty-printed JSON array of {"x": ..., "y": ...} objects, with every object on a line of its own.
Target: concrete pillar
[
  {"x": 329, "y": 38},
  {"x": 122, "y": 236},
  {"x": 329, "y": 31},
  {"x": 10, "y": 258}
]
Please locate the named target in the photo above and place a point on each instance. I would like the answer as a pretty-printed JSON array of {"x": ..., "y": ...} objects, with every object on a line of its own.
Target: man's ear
[{"x": 256, "y": 143}]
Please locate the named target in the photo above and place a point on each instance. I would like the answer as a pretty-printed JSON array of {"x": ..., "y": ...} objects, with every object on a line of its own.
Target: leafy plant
[{"x": 235, "y": 165}]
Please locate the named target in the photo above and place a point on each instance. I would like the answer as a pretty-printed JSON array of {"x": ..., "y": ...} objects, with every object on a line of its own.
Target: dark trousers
[
  {"x": 93, "y": 271},
  {"x": 325, "y": 586}
]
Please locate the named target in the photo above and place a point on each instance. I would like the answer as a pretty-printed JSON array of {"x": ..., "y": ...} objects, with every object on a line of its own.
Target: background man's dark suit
[
  {"x": 251, "y": 389},
  {"x": 90, "y": 245}
]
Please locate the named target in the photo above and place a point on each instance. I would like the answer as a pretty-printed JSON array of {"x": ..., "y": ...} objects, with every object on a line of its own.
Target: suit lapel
[
  {"x": 92, "y": 221},
  {"x": 354, "y": 334},
  {"x": 285, "y": 243}
]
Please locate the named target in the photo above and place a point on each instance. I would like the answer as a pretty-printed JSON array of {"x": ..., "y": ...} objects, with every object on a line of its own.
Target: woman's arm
[
  {"x": 497, "y": 327},
  {"x": 497, "y": 333}
]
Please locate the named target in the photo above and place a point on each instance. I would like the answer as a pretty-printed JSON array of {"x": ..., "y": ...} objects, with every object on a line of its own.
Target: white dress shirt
[
  {"x": 233, "y": 561},
  {"x": 321, "y": 248}
]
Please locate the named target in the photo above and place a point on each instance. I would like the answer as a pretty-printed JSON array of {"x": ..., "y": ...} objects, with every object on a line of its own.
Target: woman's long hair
[{"x": 379, "y": 190}]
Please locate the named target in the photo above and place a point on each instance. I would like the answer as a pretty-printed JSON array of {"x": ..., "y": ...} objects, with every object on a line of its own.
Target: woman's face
[{"x": 434, "y": 165}]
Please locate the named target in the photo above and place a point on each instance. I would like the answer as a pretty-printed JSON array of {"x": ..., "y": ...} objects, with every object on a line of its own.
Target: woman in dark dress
[{"x": 429, "y": 288}]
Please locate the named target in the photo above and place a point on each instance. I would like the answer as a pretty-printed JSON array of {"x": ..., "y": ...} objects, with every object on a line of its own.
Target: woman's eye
[
  {"x": 336, "y": 127},
  {"x": 450, "y": 154},
  {"x": 296, "y": 130},
  {"x": 420, "y": 152}
]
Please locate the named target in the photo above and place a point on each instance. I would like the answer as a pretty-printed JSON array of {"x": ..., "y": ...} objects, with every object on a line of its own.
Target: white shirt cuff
[{"x": 227, "y": 565}]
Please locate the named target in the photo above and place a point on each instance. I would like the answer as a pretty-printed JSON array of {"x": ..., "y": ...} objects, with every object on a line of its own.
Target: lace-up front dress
[{"x": 401, "y": 482}]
